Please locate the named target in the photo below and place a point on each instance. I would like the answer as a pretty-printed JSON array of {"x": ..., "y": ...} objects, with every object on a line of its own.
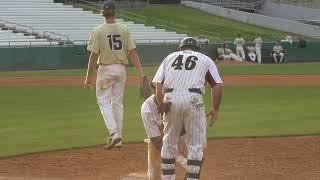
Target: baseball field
[{"x": 268, "y": 127}]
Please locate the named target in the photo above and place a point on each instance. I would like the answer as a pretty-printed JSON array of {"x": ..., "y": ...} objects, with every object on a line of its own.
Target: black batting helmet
[{"x": 189, "y": 42}]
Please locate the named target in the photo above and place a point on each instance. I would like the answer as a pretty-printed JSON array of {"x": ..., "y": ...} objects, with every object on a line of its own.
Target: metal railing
[
  {"x": 28, "y": 43},
  {"x": 148, "y": 41},
  {"x": 253, "y": 6},
  {"x": 20, "y": 25},
  {"x": 28, "y": 29},
  {"x": 57, "y": 34}
]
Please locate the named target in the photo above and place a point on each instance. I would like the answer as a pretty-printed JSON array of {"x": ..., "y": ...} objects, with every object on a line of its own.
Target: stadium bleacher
[
  {"x": 246, "y": 5},
  {"x": 8, "y": 38},
  {"x": 52, "y": 23}
]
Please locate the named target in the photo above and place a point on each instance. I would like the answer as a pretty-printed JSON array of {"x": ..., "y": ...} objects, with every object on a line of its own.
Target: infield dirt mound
[{"x": 282, "y": 158}]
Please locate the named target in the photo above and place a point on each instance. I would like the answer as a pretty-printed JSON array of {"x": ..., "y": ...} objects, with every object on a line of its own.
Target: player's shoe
[
  {"x": 114, "y": 139},
  {"x": 118, "y": 145}
]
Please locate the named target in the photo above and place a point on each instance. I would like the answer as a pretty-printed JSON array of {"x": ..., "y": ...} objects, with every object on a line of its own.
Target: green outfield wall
[{"x": 77, "y": 56}]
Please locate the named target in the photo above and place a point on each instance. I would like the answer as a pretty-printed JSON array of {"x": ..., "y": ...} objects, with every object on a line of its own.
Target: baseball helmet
[{"x": 189, "y": 42}]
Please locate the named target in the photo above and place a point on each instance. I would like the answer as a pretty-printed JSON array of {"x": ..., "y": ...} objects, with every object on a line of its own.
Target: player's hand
[
  {"x": 89, "y": 83},
  {"x": 164, "y": 108},
  {"x": 214, "y": 114}
]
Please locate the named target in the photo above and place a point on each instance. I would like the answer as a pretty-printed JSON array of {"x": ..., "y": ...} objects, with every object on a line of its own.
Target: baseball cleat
[
  {"x": 118, "y": 145},
  {"x": 114, "y": 139},
  {"x": 147, "y": 141}
]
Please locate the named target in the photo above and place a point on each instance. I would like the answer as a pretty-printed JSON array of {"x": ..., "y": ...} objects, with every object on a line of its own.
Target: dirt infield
[{"x": 284, "y": 158}]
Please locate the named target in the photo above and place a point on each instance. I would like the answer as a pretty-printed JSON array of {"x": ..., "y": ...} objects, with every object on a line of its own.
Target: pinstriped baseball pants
[{"x": 184, "y": 112}]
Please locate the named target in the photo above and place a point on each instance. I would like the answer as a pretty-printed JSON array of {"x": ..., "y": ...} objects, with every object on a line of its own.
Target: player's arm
[
  {"x": 93, "y": 46},
  {"x": 159, "y": 94},
  {"x": 89, "y": 82},
  {"x": 216, "y": 96},
  {"x": 158, "y": 82},
  {"x": 134, "y": 58},
  {"x": 215, "y": 82},
  {"x": 152, "y": 129},
  {"x": 157, "y": 142}
]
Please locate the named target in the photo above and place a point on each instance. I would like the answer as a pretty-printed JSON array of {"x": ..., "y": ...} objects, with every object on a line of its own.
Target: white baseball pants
[
  {"x": 240, "y": 53},
  {"x": 275, "y": 55},
  {"x": 258, "y": 53},
  {"x": 235, "y": 57},
  {"x": 109, "y": 92}
]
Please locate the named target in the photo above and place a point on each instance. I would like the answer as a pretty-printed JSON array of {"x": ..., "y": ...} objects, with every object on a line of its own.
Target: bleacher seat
[
  {"x": 248, "y": 5},
  {"x": 8, "y": 38},
  {"x": 64, "y": 22}
]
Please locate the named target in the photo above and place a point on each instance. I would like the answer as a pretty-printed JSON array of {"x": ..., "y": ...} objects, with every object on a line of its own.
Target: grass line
[{"x": 141, "y": 141}]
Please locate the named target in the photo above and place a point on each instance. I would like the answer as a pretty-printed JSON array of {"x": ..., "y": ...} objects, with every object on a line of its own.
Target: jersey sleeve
[
  {"x": 93, "y": 44},
  {"x": 131, "y": 44},
  {"x": 212, "y": 76},
  {"x": 159, "y": 77},
  {"x": 151, "y": 119}
]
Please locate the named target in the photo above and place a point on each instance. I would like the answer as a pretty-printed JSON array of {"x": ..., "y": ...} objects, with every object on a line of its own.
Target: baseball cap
[{"x": 109, "y": 5}]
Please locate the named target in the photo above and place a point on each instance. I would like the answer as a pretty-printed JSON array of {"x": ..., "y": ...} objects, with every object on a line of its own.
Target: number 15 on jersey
[{"x": 114, "y": 41}]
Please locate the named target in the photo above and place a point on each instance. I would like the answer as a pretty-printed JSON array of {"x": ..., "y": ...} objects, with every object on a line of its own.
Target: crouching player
[{"x": 153, "y": 125}]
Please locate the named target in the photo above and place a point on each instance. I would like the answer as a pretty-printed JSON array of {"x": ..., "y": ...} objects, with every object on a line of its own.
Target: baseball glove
[{"x": 145, "y": 88}]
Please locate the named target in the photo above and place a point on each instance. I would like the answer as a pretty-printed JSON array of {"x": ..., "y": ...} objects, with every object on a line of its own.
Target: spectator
[
  {"x": 251, "y": 54},
  {"x": 239, "y": 42},
  {"x": 278, "y": 51},
  {"x": 302, "y": 42},
  {"x": 288, "y": 39},
  {"x": 258, "y": 45},
  {"x": 221, "y": 53},
  {"x": 228, "y": 52}
]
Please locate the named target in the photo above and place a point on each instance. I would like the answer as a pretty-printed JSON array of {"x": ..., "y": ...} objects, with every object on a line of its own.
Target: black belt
[{"x": 192, "y": 90}]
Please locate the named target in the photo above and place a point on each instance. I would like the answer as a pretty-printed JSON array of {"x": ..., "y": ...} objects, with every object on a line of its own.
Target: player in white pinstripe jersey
[
  {"x": 152, "y": 122},
  {"x": 180, "y": 84}
]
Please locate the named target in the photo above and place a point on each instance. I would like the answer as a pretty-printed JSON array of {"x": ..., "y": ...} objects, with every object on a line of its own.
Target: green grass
[
  {"x": 263, "y": 69},
  {"x": 200, "y": 23},
  {"x": 273, "y": 69},
  {"x": 193, "y": 22},
  {"x": 42, "y": 119},
  {"x": 268, "y": 112}
]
